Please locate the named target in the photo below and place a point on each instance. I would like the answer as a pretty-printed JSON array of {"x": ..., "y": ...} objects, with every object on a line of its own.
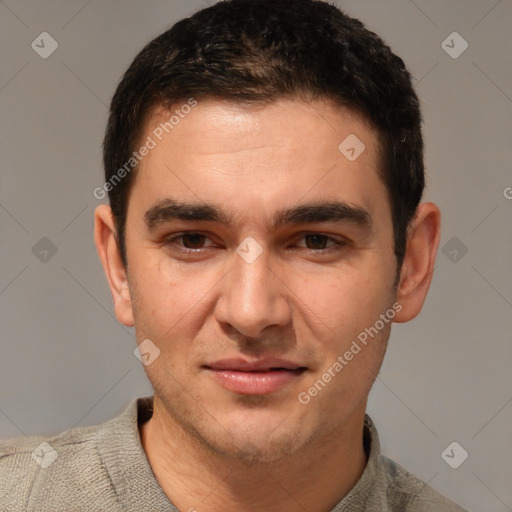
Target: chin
[
  {"x": 260, "y": 448},
  {"x": 261, "y": 437}
]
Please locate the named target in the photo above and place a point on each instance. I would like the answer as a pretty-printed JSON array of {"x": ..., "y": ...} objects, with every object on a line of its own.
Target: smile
[{"x": 256, "y": 382}]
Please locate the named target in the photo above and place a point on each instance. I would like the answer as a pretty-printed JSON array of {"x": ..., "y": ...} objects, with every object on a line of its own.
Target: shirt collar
[
  {"x": 356, "y": 499},
  {"x": 121, "y": 450},
  {"x": 136, "y": 486}
]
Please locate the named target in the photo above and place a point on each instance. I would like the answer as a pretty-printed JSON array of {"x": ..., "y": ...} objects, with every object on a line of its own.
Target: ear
[
  {"x": 416, "y": 273},
  {"x": 105, "y": 238}
]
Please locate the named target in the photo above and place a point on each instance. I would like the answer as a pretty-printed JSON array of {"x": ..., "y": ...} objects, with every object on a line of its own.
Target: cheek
[
  {"x": 154, "y": 296},
  {"x": 168, "y": 297},
  {"x": 345, "y": 300},
  {"x": 349, "y": 306}
]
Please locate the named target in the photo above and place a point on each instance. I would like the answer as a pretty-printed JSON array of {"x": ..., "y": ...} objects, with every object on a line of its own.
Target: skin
[{"x": 213, "y": 449}]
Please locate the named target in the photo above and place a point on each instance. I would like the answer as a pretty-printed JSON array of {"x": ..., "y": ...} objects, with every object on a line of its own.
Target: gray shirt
[{"x": 104, "y": 468}]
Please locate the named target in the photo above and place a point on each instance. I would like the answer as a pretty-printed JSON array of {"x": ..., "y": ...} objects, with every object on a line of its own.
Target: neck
[{"x": 195, "y": 478}]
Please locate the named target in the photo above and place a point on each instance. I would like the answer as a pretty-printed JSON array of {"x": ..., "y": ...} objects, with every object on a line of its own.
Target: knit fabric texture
[{"x": 105, "y": 468}]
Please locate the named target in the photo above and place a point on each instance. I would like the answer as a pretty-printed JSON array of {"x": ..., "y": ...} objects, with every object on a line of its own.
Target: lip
[
  {"x": 254, "y": 377},
  {"x": 264, "y": 364}
]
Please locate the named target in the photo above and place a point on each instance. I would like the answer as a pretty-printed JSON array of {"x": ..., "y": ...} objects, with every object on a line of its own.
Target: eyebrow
[{"x": 315, "y": 212}]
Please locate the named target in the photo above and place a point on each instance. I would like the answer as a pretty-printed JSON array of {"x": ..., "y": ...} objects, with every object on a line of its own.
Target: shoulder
[
  {"x": 39, "y": 473},
  {"x": 389, "y": 487},
  {"x": 406, "y": 492},
  {"x": 33, "y": 453}
]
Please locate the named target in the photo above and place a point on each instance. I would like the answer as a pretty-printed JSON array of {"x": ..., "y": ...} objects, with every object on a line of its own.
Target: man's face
[{"x": 322, "y": 278}]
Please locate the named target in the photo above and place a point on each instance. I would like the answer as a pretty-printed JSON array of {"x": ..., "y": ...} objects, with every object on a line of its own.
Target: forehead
[
  {"x": 259, "y": 156},
  {"x": 222, "y": 126}
]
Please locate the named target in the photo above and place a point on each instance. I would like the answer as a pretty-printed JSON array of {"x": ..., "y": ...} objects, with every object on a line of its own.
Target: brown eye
[
  {"x": 316, "y": 241},
  {"x": 192, "y": 240},
  {"x": 321, "y": 244},
  {"x": 184, "y": 242}
]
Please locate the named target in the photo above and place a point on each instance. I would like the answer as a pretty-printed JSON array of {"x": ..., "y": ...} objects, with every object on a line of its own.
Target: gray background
[{"x": 65, "y": 360}]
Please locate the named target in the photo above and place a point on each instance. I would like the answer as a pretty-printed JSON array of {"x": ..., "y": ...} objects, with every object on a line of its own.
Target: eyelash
[{"x": 338, "y": 244}]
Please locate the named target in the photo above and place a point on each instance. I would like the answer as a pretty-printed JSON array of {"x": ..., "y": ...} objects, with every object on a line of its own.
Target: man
[{"x": 264, "y": 166}]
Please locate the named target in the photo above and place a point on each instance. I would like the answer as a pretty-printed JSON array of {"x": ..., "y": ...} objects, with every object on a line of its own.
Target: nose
[{"x": 253, "y": 297}]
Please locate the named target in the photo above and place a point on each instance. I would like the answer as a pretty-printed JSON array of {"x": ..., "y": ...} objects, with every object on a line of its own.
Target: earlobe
[
  {"x": 418, "y": 266},
  {"x": 105, "y": 238}
]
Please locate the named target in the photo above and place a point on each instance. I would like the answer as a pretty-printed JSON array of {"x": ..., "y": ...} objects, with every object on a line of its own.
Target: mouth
[{"x": 254, "y": 378}]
